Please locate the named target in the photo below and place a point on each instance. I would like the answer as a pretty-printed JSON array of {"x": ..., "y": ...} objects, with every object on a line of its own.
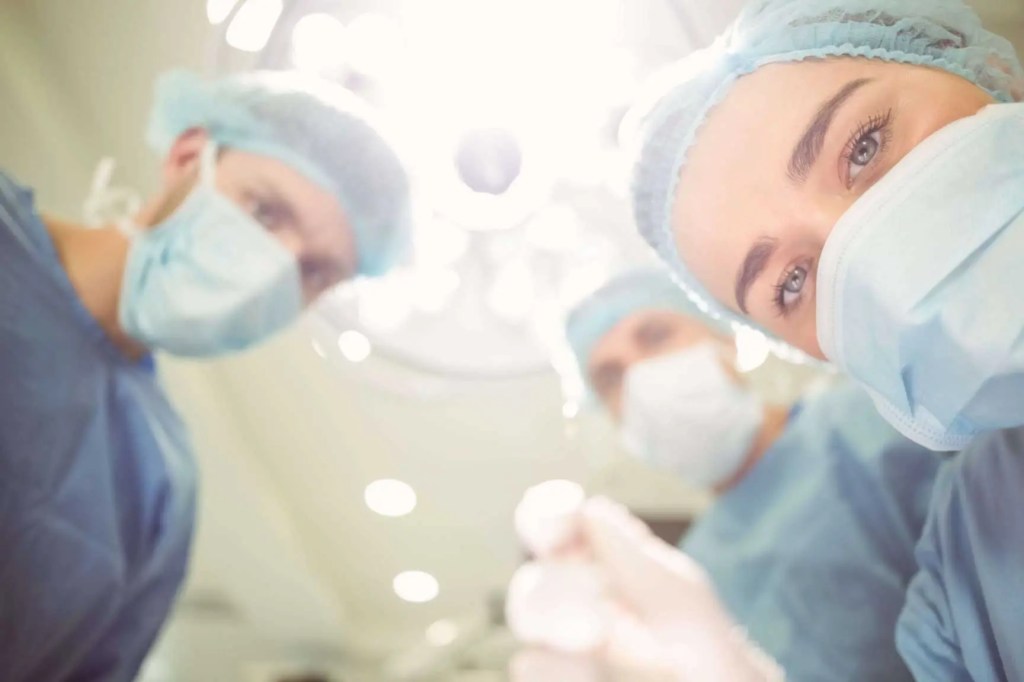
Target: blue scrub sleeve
[
  {"x": 119, "y": 655},
  {"x": 59, "y": 589},
  {"x": 964, "y": 612}
]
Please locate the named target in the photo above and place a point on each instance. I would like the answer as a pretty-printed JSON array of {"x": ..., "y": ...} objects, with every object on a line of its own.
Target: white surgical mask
[
  {"x": 208, "y": 280},
  {"x": 919, "y": 285},
  {"x": 684, "y": 413}
]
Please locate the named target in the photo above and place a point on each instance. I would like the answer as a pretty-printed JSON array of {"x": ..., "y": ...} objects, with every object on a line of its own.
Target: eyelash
[
  {"x": 877, "y": 123},
  {"x": 779, "y": 295}
]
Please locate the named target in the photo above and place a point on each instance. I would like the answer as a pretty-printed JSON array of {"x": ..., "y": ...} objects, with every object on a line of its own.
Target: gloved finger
[
  {"x": 655, "y": 578},
  {"x": 540, "y": 665},
  {"x": 547, "y": 518},
  {"x": 560, "y": 605}
]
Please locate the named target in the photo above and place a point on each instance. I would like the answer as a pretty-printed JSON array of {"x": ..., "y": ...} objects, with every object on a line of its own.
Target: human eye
[
  {"x": 320, "y": 277},
  {"x": 789, "y": 291},
  {"x": 653, "y": 334},
  {"x": 865, "y": 146}
]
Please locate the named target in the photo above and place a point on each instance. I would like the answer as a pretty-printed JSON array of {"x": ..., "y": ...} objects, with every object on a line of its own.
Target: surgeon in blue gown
[
  {"x": 964, "y": 614},
  {"x": 810, "y": 540},
  {"x": 274, "y": 189}
]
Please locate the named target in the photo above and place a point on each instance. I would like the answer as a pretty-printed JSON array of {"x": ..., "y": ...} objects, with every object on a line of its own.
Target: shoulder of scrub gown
[
  {"x": 97, "y": 480},
  {"x": 964, "y": 612},
  {"x": 813, "y": 550}
]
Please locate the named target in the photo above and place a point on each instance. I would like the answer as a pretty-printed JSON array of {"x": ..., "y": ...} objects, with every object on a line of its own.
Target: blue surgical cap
[
  {"x": 943, "y": 34},
  {"x": 648, "y": 288},
  {"x": 316, "y": 127}
]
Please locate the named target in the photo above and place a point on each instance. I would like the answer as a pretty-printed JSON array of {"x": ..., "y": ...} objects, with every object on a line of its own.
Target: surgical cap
[
  {"x": 650, "y": 288},
  {"x": 943, "y": 34},
  {"x": 314, "y": 126}
]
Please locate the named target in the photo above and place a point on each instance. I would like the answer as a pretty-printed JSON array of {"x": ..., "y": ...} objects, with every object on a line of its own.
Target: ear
[{"x": 182, "y": 159}]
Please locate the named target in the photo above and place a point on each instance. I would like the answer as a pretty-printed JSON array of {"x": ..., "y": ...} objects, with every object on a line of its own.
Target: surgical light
[
  {"x": 375, "y": 45},
  {"x": 442, "y": 633},
  {"x": 556, "y": 228},
  {"x": 416, "y": 587},
  {"x": 318, "y": 43},
  {"x": 752, "y": 349},
  {"x": 219, "y": 10},
  {"x": 488, "y": 160},
  {"x": 354, "y": 346},
  {"x": 513, "y": 294},
  {"x": 250, "y": 30},
  {"x": 390, "y": 497}
]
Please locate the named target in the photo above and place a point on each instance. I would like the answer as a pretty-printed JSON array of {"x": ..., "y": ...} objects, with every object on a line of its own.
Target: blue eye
[
  {"x": 864, "y": 153},
  {"x": 865, "y": 145},
  {"x": 789, "y": 292}
]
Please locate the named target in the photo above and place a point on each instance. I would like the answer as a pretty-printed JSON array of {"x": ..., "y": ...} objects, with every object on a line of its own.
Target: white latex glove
[
  {"x": 540, "y": 665},
  {"x": 547, "y": 519},
  {"x": 678, "y": 617},
  {"x": 631, "y": 601}
]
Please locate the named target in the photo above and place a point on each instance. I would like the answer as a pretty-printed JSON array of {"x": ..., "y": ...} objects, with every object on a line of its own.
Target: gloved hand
[{"x": 630, "y": 601}]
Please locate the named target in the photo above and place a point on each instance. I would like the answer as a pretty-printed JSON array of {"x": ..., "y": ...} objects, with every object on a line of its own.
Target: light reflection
[
  {"x": 355, "y": 347},
  {"x": 250, "y": 30},
  {"x": 219, "y": 10},
  {"x": 416, "y": 587},
  {"x": 318, "y": 43}
]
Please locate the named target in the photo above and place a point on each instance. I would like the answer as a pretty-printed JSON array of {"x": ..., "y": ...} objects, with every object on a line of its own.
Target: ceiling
[{"x": 290, "y": 566}]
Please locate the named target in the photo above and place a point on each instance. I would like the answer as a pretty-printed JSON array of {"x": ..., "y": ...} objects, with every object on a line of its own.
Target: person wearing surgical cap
[
  {"x": 848, "y": 176},
  {"x": 274, "y": 189},
  {"x": 810, "y": 541}
]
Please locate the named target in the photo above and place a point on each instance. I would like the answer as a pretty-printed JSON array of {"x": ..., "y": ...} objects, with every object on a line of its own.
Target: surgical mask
[
  {"x": 920, "y": 284},
  {"x": 684, "y": 413},
  {"x": 208, "y": 280}
]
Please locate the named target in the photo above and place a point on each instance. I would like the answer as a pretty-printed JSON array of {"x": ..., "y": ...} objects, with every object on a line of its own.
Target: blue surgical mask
[
  {"x": 208, "y": 280},
  {"x": 921, "y": 284}
]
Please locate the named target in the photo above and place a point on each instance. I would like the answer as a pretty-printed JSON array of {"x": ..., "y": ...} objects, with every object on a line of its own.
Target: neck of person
[
  {"x": 774, "y": 423},
  {"x": 94, "y": 260}
]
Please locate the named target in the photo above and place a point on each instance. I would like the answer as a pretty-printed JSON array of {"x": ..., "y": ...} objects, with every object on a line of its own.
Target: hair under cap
[
  {"x": 315, "y": 126},
  {"x": 942, "y": 34}
]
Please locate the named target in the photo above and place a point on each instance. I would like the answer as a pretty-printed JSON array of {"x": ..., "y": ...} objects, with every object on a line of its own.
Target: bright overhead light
[
  {"x": 437, "y": 242},
  {"x": 416, "y": 586},
  {"x": 570, "y": 409},
  {"x": 219, "y": 10},
  {"x": 752, "y": 349},
  {"x": 375, "y": 45},
  {"x": 250, "y": 30},
  {"x": 512, "y": 296},
  {"x": 384, "y": 302},
  {"x": 318, "y": 43},
  {"x": 389, "y": 497},
  {"x": 556, "y": 228},
  {"x": 354, "y": 346},
  {"x": 442, "y": 633},
  {"x": 434, "y": 288}
]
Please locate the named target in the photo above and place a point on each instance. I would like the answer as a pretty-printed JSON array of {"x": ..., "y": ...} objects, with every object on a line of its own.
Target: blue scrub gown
[
  {"x": 964, "y": 613},
  {"x": 814, "y": 549},
  {"x": 97, "y": 480}
]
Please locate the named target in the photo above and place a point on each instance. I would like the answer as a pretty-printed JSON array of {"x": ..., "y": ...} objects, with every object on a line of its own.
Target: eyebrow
[
  {"x": 807, "y": 150},
  {"x": 753, "y": 265}
]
